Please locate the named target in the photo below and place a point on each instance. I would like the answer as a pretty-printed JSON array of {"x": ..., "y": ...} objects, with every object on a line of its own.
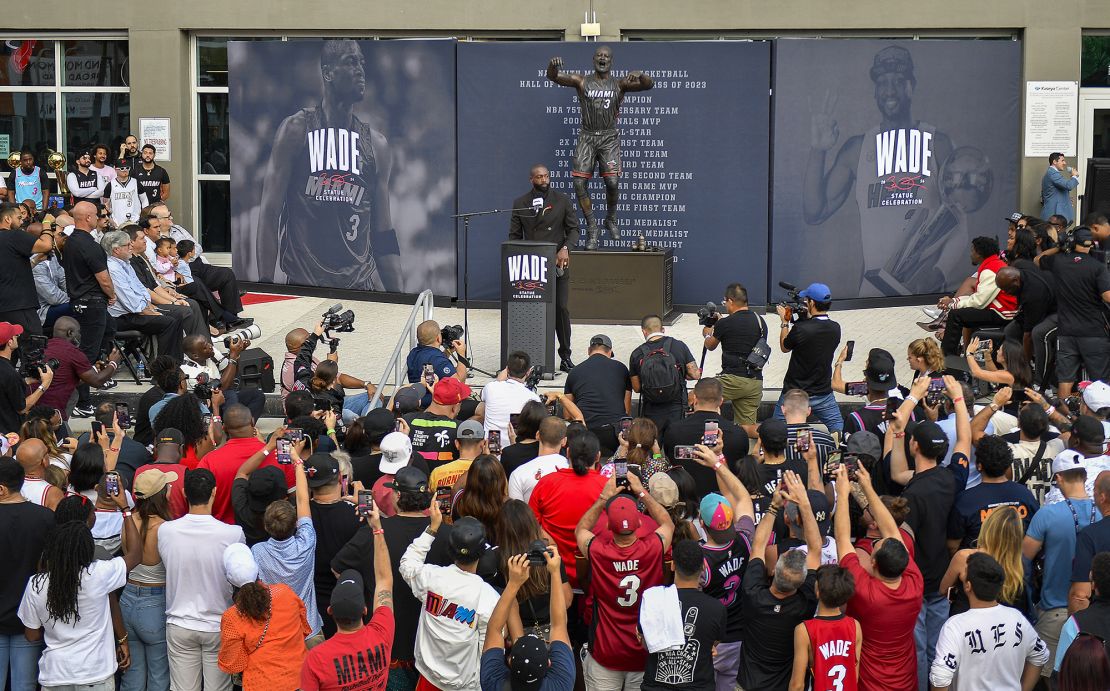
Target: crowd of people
[{"x": 458, "y": 539}]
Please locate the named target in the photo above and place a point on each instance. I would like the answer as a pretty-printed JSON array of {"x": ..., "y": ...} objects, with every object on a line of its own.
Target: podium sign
[{"x": 528, "y": 301}]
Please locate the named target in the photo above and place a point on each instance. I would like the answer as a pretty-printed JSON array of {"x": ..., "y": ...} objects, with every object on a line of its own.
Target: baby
[{"x": 166, "y": 261}]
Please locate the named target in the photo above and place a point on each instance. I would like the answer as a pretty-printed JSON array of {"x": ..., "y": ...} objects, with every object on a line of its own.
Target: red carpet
[{"x": 260, "y": 298}]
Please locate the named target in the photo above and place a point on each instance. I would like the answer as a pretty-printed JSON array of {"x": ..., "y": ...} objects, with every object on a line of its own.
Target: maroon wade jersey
[
  {"x": 325, "y": 226},
  {"x": 618, "y": 578}
]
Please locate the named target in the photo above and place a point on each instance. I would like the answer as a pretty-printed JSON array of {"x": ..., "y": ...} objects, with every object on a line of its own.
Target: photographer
[
  {"x": 322, "y": 380},
  {"x": 222, "y": 371},
  {"x": 659, "y": 368},
  {"x": 293, "y": 342},
  {"x": 19, "y": 302},
  {"x": 738, "y": 333},
  {"x": 73, "y": 367},
  {"x": 430, "y": 351},
  {"x": 811, "y": 344},
  {"x": 1082, "y": 291},
  {"x": 508, "y": 393},
  {"x": 13, "y": 399}
]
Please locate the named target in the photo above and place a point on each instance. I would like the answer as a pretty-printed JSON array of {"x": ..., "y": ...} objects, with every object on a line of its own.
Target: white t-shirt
[
  {"x": 986, "y": 649},
  {"x": 502, "y": 399},
  {"x": 524, "y": 478},
  {"x": 197, "y": 591},
  {"x": 82, "y": 651},
  {"x": 1094, "y": 466}
]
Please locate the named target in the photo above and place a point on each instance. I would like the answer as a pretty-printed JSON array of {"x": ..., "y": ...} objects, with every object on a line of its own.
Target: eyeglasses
[{"x": 163, "y": 218}]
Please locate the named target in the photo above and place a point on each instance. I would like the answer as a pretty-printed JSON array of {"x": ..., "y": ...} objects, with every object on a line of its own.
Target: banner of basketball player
[
  {"x": 343, "y": 163},
  {"x": 693, "y": 153},
  {"x": 889, "y": 157}
]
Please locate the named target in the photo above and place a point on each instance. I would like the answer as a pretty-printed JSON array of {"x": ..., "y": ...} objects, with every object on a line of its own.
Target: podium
[
  {"x": 621, "y": 287},
  {"x": 528, "y": 301}
]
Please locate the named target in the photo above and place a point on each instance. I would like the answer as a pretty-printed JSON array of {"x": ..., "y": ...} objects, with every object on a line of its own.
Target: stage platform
[{"x": 365, "y": 352}]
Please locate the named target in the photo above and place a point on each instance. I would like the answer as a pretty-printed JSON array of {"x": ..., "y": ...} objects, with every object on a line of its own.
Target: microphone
[
  {"x": 334, "y": 309},
  {"x": 712, "y": 307},
  {"x": 537, "y": 205}
]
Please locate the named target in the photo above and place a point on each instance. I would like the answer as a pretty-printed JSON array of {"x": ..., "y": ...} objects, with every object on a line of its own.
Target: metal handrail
[{"x": 394, "y": 373}]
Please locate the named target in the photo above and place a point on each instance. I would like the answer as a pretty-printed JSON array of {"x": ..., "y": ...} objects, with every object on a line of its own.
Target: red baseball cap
[
  {"x": 449, "y": 391},
  {"x": 8, "y": 331},
  {"x": 622, "y": 514}
]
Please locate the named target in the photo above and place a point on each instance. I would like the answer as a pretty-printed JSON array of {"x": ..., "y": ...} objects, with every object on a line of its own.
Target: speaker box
[{"x": 256, "y": 370}]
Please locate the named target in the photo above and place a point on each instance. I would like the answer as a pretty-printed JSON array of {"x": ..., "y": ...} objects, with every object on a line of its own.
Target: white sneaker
[{"x": 932, "y": 312}]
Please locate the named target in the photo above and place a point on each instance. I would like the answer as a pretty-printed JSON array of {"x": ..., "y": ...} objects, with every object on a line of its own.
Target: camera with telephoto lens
[
  {"x": 34, "y": 356},
  {"x": 335, "y": 319},
  {"x": 249, "y": 333},
  {"x": 536, "y": 552},
  {"x": 450, "y": 334},
  {"x": 204, "y": 387},
  {"x": 795, "y": 304},
  {"x": 708, "y": 315}
]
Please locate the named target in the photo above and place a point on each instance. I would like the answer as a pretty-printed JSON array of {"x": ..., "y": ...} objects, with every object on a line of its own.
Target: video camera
[
  {"x": 34, "y": 356},
  {"x": 450, "y": 334},
  {"x": 533, "y": 380},
  {"x": 204, "y": 387},
  {"x": 795, "y": 304},
  {"x": 335, "y": 319},
  {"x": 709, "y": 315}
]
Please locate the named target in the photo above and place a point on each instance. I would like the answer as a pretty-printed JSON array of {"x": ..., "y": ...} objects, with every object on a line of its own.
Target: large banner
[
  {"x": 343, "y": 163},
  {"x": 693, "y": 153},
  {"x": 889, "y": 157}
]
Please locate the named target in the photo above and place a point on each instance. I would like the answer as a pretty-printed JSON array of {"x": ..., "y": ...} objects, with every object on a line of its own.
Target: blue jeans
[
  {"x": 355, "y": 407},
  {"x": 144, "y": 616},
  {"x": 824, "y": 409},
  {"x": 933, "y": 614},
  {"x": 21, "y": 656}
]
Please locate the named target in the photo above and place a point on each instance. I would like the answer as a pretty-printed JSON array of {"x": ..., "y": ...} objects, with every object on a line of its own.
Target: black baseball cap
[
  {"x": 822, "y": 512},
  {"x": 408, "y": 399},
  {"x": 409, "y": 479},
  {"x": 601, "y": 340},
  {"x": 378, "y": 423},
  {"x": 879, "y": 372},
  {"x": 864, "y": 443},
  {"x": 931, "y": 439},
  {"x": 1082, "y": 234},
  {"x": 528, "y": 662},
  {"x": 772, "y": 430},
  {"x": 169, "y": 435},
  {"x": 265, "y": 486},
  {"x": 467, "y": 540},
  {"x": 321, "y": 469},
  {"x": 1089, "y": 430},
  {"x": 348, "y": 598}
]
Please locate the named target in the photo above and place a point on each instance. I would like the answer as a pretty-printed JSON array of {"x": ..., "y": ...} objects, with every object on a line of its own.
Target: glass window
[
  {"x": 95, "y": 63},
  {"x": 213, "y": 139},
  {"x": 212, "y": 61},
  {"x": 215, "y": 215},
  {"x": 95, "y": 118},
  {"x": 29, "y": 119},
  {"x": 26, "y": 63},
  {"x": 1095, "y": 69}
]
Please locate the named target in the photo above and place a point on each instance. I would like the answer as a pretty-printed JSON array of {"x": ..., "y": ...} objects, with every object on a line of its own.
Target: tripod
[{"x": 466, "y": 274}]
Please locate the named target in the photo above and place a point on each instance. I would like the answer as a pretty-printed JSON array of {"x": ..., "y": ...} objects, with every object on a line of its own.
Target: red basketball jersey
[
  {"x": 833, "y": 641},
  {"x": 618, "y": 578}
]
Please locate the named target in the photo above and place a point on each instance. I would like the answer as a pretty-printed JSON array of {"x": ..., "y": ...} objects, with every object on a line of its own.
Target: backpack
[{"x": 661, "y": 379}]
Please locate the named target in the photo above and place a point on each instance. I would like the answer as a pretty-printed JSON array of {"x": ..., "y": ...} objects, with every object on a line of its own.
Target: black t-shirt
[
  {"x": 17, "y": 285},
  {"x": 335, "y": 525},
  {"x": 515, "y": 455},
  {"x": 433, "y": 437},
  {"x": 1080, "y": 282},
  {"x": 738, "y": 334},
  {"x": 246, "y": 517},
  {"x": 12, "y": 397},
  {"x": 151, "y": 181},
  {"x": 930, "y": 494},
  {"x": 358, "y": 554},
  {"x": 143, "y": 432},
  {"x": 690, "y": 430},
  {"x": 535, "y": 611},
  {"x": 83, "y": 259},
  {"x": 812, "y": 343},
  {"x": 771, "y": 473},
  {"x": 1036, "y": 299},
  {"x": 768, "y": 650},
  {"x": 679, "y": 352},
  {"x": 364, "y": 469},
  {"x": 973, "y": 506},
  {"x": 23, "y": 530},
  {"x": 691, "y": 667},
  {"x": 598, "y": 385}
]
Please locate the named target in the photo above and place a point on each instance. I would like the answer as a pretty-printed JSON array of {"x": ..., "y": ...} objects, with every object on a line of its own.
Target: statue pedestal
[{"x": 620, "y": 287}]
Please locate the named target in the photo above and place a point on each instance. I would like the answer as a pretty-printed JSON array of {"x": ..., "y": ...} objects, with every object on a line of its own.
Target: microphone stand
[{"x": 466, "y": 275}]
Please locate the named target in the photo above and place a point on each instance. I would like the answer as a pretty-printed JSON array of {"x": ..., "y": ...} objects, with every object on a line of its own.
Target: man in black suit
[{"x": 549, "y": 217}]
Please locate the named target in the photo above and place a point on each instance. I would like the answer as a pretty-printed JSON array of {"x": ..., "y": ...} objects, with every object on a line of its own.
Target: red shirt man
[
  {"x": 168, "y": 447},
  {"x": 357, "y": 656},
  {"x": 559, "y": 500},
  {"x": 224, "y": 462}
]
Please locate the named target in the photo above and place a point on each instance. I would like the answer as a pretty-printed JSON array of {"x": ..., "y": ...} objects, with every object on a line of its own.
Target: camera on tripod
[
  {"x": 709, "y": 315},
  {"x": 204, "y": 387},
  {"x": 450, "y": 334},
  {"x": 249, "y": 333},
  {"x": 335, "y": 319},
  {"x": 34, "y": 356},
  {"x": 794, "y": 304}
]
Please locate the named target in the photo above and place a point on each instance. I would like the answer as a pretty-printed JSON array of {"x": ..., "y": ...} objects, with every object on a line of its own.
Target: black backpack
[{"x": 661, "y": 379}]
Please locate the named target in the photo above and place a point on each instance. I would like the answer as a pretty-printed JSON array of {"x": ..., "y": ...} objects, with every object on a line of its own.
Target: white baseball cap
[
  {"x": 1097, "y": 395},
  {"x": 1066, "y": 460},
  {"x": 396, "y": 451}
]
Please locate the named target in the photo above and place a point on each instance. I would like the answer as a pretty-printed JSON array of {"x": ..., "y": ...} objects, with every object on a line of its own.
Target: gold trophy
[
  {"x": 13, "y": 160},
  {"x": 57, "y": 162}
]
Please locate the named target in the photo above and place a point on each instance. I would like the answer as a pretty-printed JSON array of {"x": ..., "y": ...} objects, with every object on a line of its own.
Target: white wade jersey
[
  {"x": 125, "y": 201},
  {"x": 895, "y": 180}
]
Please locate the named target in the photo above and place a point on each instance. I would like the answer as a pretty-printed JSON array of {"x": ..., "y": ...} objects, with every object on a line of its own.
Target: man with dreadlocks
[{"x": 66, "y": 605}]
